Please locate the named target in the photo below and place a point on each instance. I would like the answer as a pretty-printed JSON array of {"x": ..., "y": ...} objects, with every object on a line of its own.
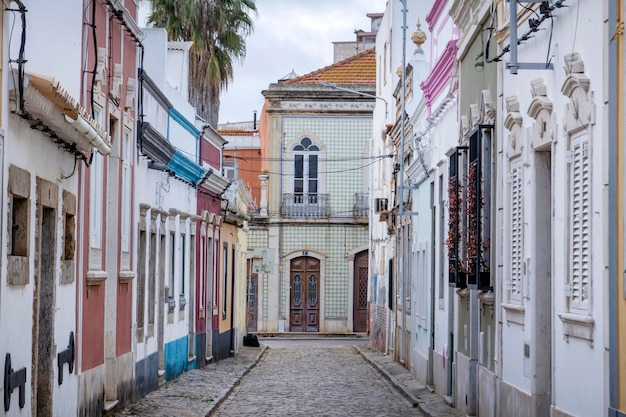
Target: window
[
  {"x": 230, "y": 169},
  {"x": 580, "y": 210},
  {"x": 152, "y": 274},
  {"x": 172, "y": 263},
  {"x": 224, "y": 280},
  {"x": 312, "y": 290},
  {"x": 305, "y": 169},
  {"x": 441, "y": 231},
  {"x": 516, "y": 239},
  {"x": 214, "y": 254},
  {"x": 202, "y": 264},
  {"x": 96, "y": 192},
  {"x": 182, "y": 264},
  {"x": 69, "y": 240},
  {"x": 126, "y": 190},
  {"x": 96, "y": 200},
  {"x": 19, "y": 227},
  {"x": 141, "y": 284}
]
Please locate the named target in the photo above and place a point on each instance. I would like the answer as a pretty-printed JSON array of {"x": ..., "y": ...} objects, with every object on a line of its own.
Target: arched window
[{"x": 305, "y": 169}]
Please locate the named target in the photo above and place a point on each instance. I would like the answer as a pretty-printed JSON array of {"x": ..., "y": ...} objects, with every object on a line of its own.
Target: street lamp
[{"x": 336, "y": 87}]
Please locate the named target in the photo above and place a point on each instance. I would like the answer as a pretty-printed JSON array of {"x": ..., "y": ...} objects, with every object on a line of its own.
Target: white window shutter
[
  {"x": 580, "y": 210},
  {"x": 516, "y": 240}
]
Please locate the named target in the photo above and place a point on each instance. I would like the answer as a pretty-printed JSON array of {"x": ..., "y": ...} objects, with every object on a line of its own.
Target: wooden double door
[{"x": 304, "y": 295}]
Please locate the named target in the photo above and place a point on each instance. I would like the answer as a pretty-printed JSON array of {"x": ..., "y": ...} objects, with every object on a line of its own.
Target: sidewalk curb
[
  {"x": 394, "y": 381},
  {"x": 426, "y": 406},
  {"x": 236, "y": 382}
]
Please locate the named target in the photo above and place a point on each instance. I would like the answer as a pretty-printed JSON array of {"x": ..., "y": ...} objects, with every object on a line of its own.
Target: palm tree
[{"x": 218, "y": 29}]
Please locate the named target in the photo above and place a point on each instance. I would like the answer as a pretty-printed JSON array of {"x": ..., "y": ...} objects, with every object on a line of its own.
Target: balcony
[
  {"x": 305, "y": 205},
  {"x": 361, "y": 205}
]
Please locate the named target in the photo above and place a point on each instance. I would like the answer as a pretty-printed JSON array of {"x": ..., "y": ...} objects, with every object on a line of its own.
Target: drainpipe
[{"x": 615, "y": 209}]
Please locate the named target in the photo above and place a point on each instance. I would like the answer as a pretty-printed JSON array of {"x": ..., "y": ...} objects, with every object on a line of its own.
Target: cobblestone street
[
  {"x": 285, "y": 377},
  {"x": 314, "y": 378}
]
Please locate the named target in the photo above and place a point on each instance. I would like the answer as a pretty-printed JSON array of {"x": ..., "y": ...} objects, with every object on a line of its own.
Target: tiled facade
[
  {"x": 344, "y": 157},
  {"x": 317, "y": 145},
  {"x": 335, "y": 241}
]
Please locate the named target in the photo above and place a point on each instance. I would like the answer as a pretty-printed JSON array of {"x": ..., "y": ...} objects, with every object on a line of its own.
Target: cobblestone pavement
[
  {"x": 197, "y": 392},
  {"x": 311, "y": 377}
]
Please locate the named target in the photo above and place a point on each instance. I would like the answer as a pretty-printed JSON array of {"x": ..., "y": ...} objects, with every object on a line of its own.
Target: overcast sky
[{"x": 291, "y": 35}]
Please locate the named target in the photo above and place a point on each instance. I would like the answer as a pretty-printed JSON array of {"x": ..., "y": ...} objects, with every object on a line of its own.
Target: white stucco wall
[{"x": 567, "y": 351}]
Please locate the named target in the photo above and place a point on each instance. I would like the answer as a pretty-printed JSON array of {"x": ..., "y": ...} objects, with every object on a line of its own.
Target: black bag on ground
[{"x": 251, "y": 340}]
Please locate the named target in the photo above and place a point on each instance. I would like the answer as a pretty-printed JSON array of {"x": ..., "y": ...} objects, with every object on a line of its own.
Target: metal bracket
[
  {"x": 13, "y": 380},
  {"x": 66, "y": 356},
  {"x": 513, "y": 66}
]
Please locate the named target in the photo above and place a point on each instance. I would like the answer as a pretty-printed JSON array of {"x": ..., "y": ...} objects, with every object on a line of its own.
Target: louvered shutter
[
  {"x": 516, "y": 239},
  {"x": 579, "y": 224}
]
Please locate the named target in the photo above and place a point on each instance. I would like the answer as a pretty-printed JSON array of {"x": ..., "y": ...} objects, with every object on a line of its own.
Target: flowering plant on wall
[
  {"x": 474, "y": 248},
  {"x": 455, "y": 202}
]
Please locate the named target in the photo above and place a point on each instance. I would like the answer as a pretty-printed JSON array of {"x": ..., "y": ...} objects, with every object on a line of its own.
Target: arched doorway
[{"x": 304, "y": 294}]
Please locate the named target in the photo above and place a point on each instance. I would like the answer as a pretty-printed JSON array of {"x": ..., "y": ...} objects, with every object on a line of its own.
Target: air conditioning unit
[{"x": 380, "y": 204}]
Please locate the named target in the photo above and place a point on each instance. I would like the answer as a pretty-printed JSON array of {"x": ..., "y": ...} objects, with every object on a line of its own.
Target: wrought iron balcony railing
[{"x": 305, "y": 205}]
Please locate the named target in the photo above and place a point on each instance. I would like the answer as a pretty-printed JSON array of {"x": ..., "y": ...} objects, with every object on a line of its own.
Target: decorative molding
[
  {"x": 131, "y": 86},
  {"x": 538, "y": 87},
  {"x": 580, "y": 111},
  {"x": 463, "y": 128},
  {"x": 514, "y": 313},
  {"x": 326, "y": 105},
  {"x": 100, "y": 76},
  {"x": 126, "y": 276},
  {"x": 474, "y": 115},
  {"x": 153, "y": 145},
  {"x": 116, "y": 87},
  {"x": 577, "y": 325},
  {"x": 440, "y": 74},
  {"x": 540, "y": 109},
  {"x": 435, "y": 12},
  {"x": 513, "y": 116},
  {"x": 464, "y": 14},
  {"x": 487, "y": 108},
  {"x": 513, "y": 123},
  {"x": 96, "y": 277}
]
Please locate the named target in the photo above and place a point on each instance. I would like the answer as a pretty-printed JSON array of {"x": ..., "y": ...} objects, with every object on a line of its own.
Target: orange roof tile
[{"x": 358, "y": 69}]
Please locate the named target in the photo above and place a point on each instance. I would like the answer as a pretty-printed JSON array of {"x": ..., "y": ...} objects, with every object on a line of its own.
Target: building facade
[
  {"x": 502, "y": 246},
  {"x": 312, "y": 244}
]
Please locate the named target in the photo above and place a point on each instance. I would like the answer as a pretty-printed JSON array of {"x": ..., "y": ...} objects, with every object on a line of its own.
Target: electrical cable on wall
[{"x": 535, "y": 24}]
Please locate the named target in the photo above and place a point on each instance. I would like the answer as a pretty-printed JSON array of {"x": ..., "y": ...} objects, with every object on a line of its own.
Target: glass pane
[
  {"x": 312, "y": 166},
  {"x": 314, "y": 148},
  {"x": 298, "y": 148},
  {"x": 297, "y": 290},
  {"x": 298, "y": 166},
  {"x": 252, "y": 294},
  {"x": 312, "y": 186},
  {"x": 298, "y": 186},
  {"x": 312, "y": 290},
  {"x": 306, "y": 142}
]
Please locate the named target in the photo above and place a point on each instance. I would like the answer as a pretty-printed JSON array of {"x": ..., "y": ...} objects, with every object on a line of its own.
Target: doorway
[
  {"x": 43, "y": 313},
  {"x": 359, "y": 304},
  {"x": 304, "y": 290},
  {"x": 541, "y": 331}
]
